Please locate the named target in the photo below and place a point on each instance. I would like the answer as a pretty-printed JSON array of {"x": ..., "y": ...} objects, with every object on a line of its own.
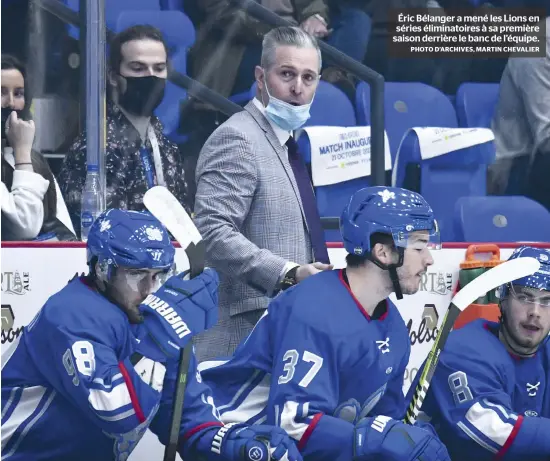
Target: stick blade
[
  {"x": 165, "y": 207},
  {"x": 493, "y": 278}
]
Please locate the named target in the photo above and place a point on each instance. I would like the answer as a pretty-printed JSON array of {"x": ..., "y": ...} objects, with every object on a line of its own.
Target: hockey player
[
  {"x": 490, "y": 395},
  {"x": 97, "y": 366},
  {"x": 327, "y": 360}
]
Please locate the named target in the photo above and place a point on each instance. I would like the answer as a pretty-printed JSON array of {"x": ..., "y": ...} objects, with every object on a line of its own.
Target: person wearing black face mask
[
  {"x": 30, "y": 203},
  {"x": 141, "y": 95},
  {"x": 138, "y": 155}
]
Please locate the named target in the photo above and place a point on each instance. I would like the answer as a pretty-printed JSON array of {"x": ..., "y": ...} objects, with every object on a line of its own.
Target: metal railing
[{"x": 201, "y": 92}]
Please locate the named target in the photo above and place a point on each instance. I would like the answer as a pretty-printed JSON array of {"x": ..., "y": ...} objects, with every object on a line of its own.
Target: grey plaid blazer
[{"x": 249, "y": 212}]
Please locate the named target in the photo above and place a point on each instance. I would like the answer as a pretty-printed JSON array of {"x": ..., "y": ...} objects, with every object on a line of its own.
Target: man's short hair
[
  {"x": 137, "y": 32},
  {"x": 286, "y": 36},
  {"x": 355, "y": 261}
]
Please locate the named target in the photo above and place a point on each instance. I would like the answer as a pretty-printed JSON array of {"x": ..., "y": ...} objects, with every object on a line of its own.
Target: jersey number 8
[
  {"x": 84, "y": 354},
  {"x": 458, "y": 382}
]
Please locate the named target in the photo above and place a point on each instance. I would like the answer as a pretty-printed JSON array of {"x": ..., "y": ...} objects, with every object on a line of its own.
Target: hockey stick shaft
[
  {"x": 166, "y": 208},
  {"x": 489, "y": 280},
  {"x": 179, "y": 396},
  {"x": 431, "y": 363}
]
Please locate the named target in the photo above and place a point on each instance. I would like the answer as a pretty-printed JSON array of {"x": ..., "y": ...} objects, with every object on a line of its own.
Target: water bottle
[{"x": 91, "y": 202}]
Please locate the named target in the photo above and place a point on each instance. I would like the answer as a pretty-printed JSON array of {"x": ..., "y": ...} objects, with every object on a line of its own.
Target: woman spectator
[{"x": 30, "y": 200}]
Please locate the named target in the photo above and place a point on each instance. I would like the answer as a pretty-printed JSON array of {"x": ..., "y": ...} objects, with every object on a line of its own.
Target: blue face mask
[{"x": 285, "y": 115}]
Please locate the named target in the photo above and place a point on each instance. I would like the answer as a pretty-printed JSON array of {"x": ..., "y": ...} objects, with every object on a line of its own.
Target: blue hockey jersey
[
  {"x": 314, "y": 364},
  {"x": 487, "y": 404},
  {"x": 73, "y": 389}
]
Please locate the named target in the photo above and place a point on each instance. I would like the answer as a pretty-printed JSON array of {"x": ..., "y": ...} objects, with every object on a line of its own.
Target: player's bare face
[
  {"x": 416, "y": 261},
  {"x": 129, "y": 287},
  {"x": 526, "y": 319}
]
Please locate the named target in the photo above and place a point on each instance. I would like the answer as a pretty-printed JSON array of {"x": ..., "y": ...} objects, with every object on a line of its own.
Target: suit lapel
[{"x": 280, "y": 150}]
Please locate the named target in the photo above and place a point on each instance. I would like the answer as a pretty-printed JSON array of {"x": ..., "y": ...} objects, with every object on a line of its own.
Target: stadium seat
[
  {"x": 501, "y": 219},
  {"x": 171, "y": 4},
  {"x": 113, "y": 8},
  {"x": 475, "y": 104},
  {"x": 407, "y": 105},
  {"x": 179, "y": 33},
  {"x": 444, "y": 179}
]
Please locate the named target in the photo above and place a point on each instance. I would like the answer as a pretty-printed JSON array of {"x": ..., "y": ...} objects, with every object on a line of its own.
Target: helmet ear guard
[{"x": 103, "y": 271}]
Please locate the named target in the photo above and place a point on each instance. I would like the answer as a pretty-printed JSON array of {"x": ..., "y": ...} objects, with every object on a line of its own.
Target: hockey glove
[
  {"x": 180, "y": 309},
  {"x": 239, "y": 442},
  {"x": 381, "y": 438}
]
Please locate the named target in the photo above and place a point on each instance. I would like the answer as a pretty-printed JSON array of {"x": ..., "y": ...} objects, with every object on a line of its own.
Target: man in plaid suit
[{"x": 254, "y": 204}]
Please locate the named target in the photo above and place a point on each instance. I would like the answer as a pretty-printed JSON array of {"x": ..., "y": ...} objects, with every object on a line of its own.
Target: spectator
[
  {"x": 255, "y": 205},
  {"x": 31, "y": 201},
  {"x": 522, "y": 127},
  {"x": 138, "y": 155}
]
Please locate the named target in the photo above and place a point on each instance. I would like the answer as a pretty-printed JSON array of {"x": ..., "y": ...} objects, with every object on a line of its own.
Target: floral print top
[{"x": 126, "y": 180}]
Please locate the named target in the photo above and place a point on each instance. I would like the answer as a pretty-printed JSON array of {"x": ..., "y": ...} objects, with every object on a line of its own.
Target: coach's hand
[
  {"x": 381, "y": 438},
  {"x": 306, "y": 270},
  {"x": 180, "y": 309}
]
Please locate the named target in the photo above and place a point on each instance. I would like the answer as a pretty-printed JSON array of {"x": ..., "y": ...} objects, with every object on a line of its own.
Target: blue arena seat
[
  {"x": 501, "y": 219},
  {"x": 444, "y": 179},
  {"x": 113, "y": 8},
  {"x": 475, "y": 104},
  {"x": 179, "y": 34},
  {"x": 407, "y": 105},
  {"x": 171, "y": 4}
]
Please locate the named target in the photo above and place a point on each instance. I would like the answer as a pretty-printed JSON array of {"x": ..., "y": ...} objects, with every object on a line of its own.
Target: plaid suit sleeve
[{"x": 227, "y": 176}]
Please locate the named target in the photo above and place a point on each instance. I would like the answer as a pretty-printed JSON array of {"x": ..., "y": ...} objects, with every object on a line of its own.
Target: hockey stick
[
  {"x": 166, "y": 208},
  {"x": 493, "y": 278}
]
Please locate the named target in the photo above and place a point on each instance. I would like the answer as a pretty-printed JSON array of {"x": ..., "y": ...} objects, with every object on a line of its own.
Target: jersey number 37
[{"x": 291, "y": 359}]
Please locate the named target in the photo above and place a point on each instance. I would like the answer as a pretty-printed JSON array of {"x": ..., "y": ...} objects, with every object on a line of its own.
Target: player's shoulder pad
[
  {"x": 475, "y": 346},
  {"x": 321, "y": 302},
  {"x": 78, "y": 306}
]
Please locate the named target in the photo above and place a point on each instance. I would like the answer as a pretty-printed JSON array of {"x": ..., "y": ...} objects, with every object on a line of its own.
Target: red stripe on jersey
[
  {"x": 190, "y": 433},
  {"x": 132, "y": 392},
  {"x": 309, "y": 431},
  {"x": 510, "y": 439}
]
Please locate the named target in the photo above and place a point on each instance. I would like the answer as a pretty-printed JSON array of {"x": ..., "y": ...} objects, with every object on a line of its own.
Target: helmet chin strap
[{"x": 392, "y": 269}]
